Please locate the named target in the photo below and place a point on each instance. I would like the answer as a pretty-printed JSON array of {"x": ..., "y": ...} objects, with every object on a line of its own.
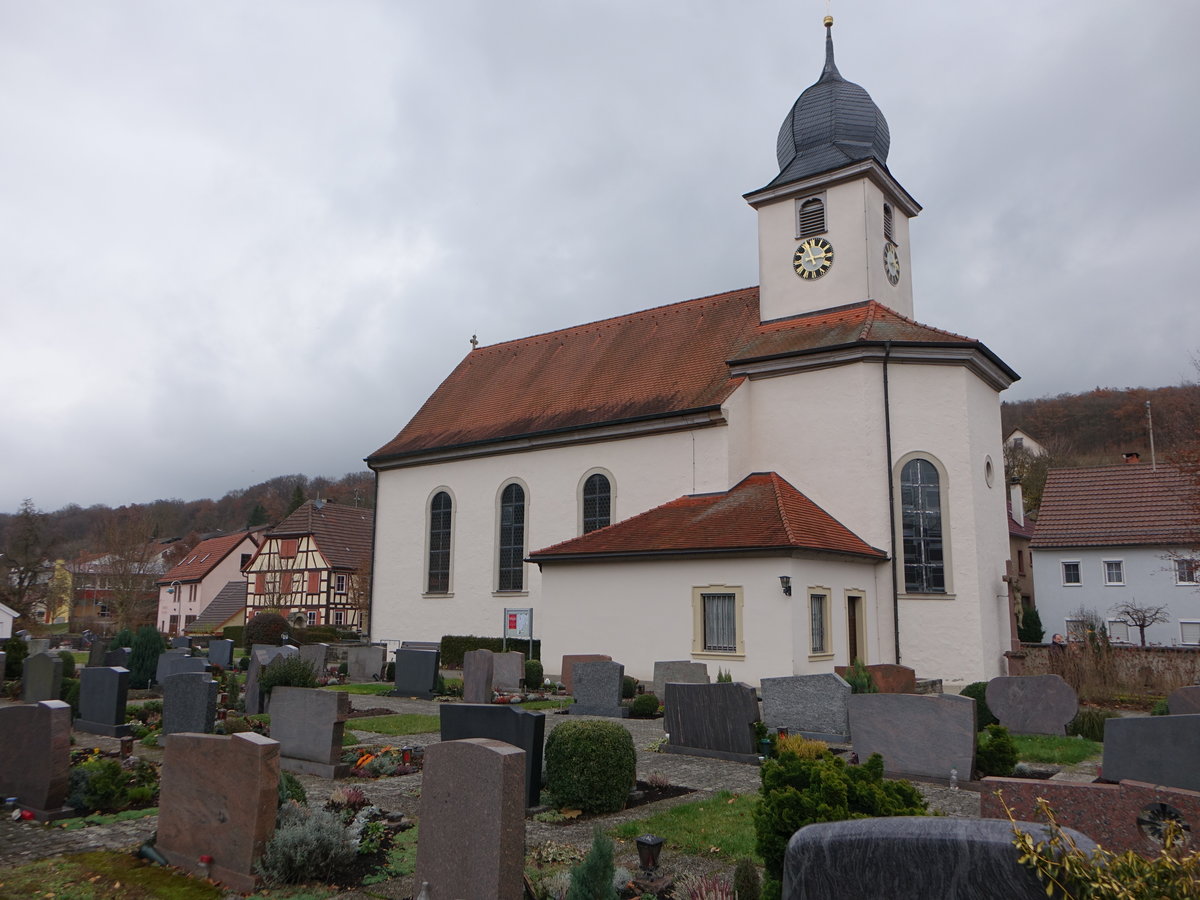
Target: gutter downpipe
[{"x": 891, "y": 481}]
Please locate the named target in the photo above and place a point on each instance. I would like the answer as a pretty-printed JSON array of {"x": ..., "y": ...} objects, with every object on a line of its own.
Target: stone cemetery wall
[
  {"x": 102, "y": 695},
  {"x": 478, "y": 668},
  {"x": 508, "y": 671},
  {"x": 814, "y": 706},
  {"x": 472, "y": 839},
  {"x": 41, "y": 678},
  {"x": 1032, "y": 704},
  {"x": 568, "y": 665},
  {"x": 522, "y": 728},
  {"x": 910, "y": 856},
  {"x": 189, "y": 703},
  {"x": 417, "y": 673},
  {"x": 1119, "y": 817},
  {"x": 597, "y": 689},
  {"x": 918, "y": 735},
  {"x": 35, "y": 757},
  {"x": 713, "y": 720},
  {"x": 217, "y": 798},
  {"x": 1162, "y": 750},
  {"x": 309, "y": 724},
  {"x": 1150, "y": 670}
]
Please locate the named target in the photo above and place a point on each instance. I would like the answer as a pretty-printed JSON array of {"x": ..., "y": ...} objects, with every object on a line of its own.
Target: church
[{"x": 774, "y": 480}]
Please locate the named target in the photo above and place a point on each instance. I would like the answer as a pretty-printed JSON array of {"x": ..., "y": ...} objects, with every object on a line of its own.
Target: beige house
[{"x": 189, "y": 587}]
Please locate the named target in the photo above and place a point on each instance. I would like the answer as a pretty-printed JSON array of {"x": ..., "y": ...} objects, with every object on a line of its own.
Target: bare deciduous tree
[{"x": 1140, "y": 616}]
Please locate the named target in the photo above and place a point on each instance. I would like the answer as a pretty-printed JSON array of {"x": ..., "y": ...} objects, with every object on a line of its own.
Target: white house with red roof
[
  {"x": 771, "y": 480},
  {"x": 189, "y": 587},
  {"x": 1113, "y": 535}
]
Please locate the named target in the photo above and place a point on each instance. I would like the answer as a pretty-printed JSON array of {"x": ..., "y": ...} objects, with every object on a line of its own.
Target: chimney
[
  {"x": 1132, "y": 458},
  {"x": 1017, "y": 499}
]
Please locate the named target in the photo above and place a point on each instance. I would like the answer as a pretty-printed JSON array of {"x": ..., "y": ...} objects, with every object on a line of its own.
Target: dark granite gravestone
[
  {"x": 1184, "y": 701},
  {"x": 261, "y": 657},
  {"x": 309, "y": 724},
  {"x": 568, "y": 663},
  {"x": 508, "y": 671},
  {"x": 41, "y": 679},
  {"x": 217, "y": 798},
  {"x": 519, "y": 727},
  {"x": 315, "y": 655},
  {"x": 810, "y": 705},
  {"x": 926, "y": 857},
  {"x": 683, "y": 671},
  {"x": 183, "y": 642},
  {"x": 713, "y": 720},
  {"x": 416, "y": 674},
  {"x": 1161, "y": 750},
  {"x": 117, "y": 657},
  {"x": 918, "y": 735},
  {"x": 365, "y": 663},
  {"x": 597, "y": 687},
  {"x": 472, "y": 838},
  {"x": 3, "y": 662},
  {"x": 1032, "y": 704},
  {"x": 180, "y": 665},
  {"x": 220, "y": 653},
  {"x": 189, "y": 703},
  {"x": 102, "y": 694},
  {"x": 35, "y": 757},
  {"x": 477, "y": 676},
  {"x": 166, "y": 663},
  {"x": 97, "y": 652}
]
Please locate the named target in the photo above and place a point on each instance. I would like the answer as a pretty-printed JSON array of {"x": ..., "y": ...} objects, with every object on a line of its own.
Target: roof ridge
[{"x": 776, "y": 480}]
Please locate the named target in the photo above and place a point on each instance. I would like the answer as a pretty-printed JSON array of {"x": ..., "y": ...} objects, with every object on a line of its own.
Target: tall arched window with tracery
[
  {"x": 921, "y": 520},
  {"x": 441, "y": 509},
  {"x": 597, "y": 503},
  {"x": 511, "y": 573}
]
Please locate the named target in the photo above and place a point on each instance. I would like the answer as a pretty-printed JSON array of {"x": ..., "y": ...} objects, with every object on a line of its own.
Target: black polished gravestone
[
  {"x": 117, "y": 657},
  {"x": 102, "y": 694},
  {"x": 1161, "y": 750},
  {"x": 416, "y": 674},
  {"x": 712, "y": 720},
  {"x": 519, "y": 727},
  {"x": 934, "y": 858},
  {"x": 220, "y": 653},
  {"x": 97, "y": 652}
]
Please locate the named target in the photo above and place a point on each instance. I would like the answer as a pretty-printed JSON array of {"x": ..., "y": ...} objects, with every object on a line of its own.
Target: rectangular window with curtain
[
  {"x": 720, "y": 622},
  {"x": 818, "y": 607}
]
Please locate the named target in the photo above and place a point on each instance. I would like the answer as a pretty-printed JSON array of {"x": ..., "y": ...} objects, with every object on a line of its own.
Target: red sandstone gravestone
[{"x": 35, "y": 757}]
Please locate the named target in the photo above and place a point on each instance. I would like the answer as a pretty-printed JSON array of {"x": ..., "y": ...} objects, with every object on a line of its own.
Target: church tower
[{"x": 833, "y": 224}]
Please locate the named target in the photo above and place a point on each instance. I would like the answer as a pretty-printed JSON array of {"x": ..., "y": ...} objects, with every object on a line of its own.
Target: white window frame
[
  {"x": 1062, "y": 568},
  {"x": 698, "y": 643},
  {"x": 340, "y": 583},
  {"x": 1192, "y": 564},
  {"x": 1113, "y": 562},
  {"x": 826, "y": 649},
  {"x": 311, "y": 617},
  {"x": 339, "y": 617},
  {"x": 1124, "y": 627},
  {"x": 1184, "y": 632},
  {"x": 1075, "y": 629}
]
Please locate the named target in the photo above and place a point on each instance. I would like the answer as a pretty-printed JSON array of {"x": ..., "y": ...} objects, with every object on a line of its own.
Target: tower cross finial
[{"x": 474, "y": 342}]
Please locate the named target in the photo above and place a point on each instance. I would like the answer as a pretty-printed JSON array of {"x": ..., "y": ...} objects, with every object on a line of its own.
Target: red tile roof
[
  {"x": 762, "y": 512},
  {"x": 205, "y": 557},
  {"x": 654, "y": 363},
  {"x": 230, "y": 601},
  {"x": 342, "y": 533},
  {"x": 1111, "y": 505}
]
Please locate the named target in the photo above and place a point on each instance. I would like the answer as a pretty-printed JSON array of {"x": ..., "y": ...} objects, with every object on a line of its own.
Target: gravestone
[
  {"x": 309, "y": 724},
  {"x": 416, "y": 674},
  {"x": 180, "y": 665},
  {"x": 102, "y": 695},
  {"x": 181, "y": 643},
  {"x": 1184, "y": 701},
  {"x": 189, "y": 703},
  {"x": 38, "y": 645},
  {"x": 918, "y": 735},
  {"x": 814, "y": 706},
  {"x": 3, "y": 662},
  {"x": 315, "y": 655},
  {"x": 220, "y": 653},
  {"x": 217, "y": 798},
  {"x": 713, "y": 720},
  {"x": 166, "y": 663},
  {"x": 1032, "y": 704},
  {"x": 597, "y": 687},
  {"x": 508, "y": 671},
  {"x": 568, "y": 663},
  {"x": 520, "y": 727},
  {"x": 477, "y": 676},
  {"x": 682, "y": 671},
  {"x": 1161, "y": 750},
  {"x": 931, "y": 857},
  {"x": 365, "y": 663},
  {"x": 118, "y": 657},
  {"x": 35, "y": 757},
  {"x": 261, "y": 657},
  {"x": 472, "y": 799},
  {"x": 41, "y": 678},
  {"x": 888, "y": 678},
  {"x": 97, "y": 652}
]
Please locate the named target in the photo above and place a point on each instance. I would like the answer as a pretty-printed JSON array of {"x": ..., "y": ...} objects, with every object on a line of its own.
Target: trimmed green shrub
[
  {"x": 977, "y": 691},
  {"x": 590, "y": 766},
  {"x": 533, "y": 674},
  {"x": 645, "y": 706},
  {"x": 235, "y": 633},
  {"x": 144, "y": 652},
  {"x": 15, "y": 651},
  {"x": 244, "y": 663},
  {"x": 628, "y": 687},
  {"x": 123, "y": 638},
  {"x": 1161, "y": 708},
  {"x": 68, "y": 693},
  {"x": 1030, "y": 631},
  {"x": 724, "y": 676},
  {"x": 286, "y": 671},
  {"x": 797, "y": 792},
  {"x": 747, "y": 885},
  {"x": 1089, "y": 723},
  {"x": 592, "y": 879},
  {"x": 995, "y": 752},
  {"x": 68, "y": 661},
  {"x": 859, "y": 678},
  {"x": 104, "y": 785},
  {"x": 266, "y": 628},
  {"x": 308, "y": 844},
  {"x": 453, "y": 647},
  {"x": 290, "y": 787}
]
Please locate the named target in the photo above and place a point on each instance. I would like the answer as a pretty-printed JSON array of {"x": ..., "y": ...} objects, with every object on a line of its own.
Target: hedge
[
  {"x": 235, "y": 633},
  {"x": 455, "y": 645}
]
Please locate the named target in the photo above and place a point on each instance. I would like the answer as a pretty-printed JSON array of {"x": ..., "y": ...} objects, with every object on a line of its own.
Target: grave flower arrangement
[
  {"x": 503, "y": 697},
  {"x": 103, "y": 782},
  {"x": 385, "y": 761}
]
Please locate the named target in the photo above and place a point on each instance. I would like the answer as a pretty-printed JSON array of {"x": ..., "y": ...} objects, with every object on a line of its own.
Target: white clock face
[{"x": 891, "y": 262}]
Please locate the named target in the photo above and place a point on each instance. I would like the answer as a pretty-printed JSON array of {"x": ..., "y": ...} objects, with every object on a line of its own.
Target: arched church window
[
  {"x": 440, "y": 517},
  {"x": 512, "y": 539},
  {"x": 921, "y": 520},
  {"x": 597, "y": 503},
  {"x": 811, "y": 217}
]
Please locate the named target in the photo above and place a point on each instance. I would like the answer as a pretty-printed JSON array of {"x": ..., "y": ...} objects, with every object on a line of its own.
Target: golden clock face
[
  {"x": 813, "y": 258},
  {"x": 891, "y": 262}
]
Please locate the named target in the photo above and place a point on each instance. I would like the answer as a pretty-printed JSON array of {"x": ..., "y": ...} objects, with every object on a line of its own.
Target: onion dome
[{"x": 833, "y": 123}]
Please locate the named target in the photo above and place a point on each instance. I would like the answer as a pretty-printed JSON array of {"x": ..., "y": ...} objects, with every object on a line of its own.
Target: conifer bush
[
  {"x": 592, "y": 879},
  {"x": 533, "y": 674},
  {"x": 645, "y": 706},
  {"x": 286, "y": 671},
  {"x": 15, "y": 651},
  {"x": 68, "y": 661},
  {"x": 995, "y": 753},
  {"x": 977, "y": 691},
  {"x": 590, "y": 766},
  {"x": 145, "y": 650}
]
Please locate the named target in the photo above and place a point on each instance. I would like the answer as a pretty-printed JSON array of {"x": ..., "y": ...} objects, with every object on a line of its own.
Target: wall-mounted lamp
[
  {"x": 785, "y": 582},
  {"x": 649, "y": 847}
]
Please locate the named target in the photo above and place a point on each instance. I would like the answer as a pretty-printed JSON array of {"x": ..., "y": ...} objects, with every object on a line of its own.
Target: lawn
[
  {"x": 1059, "y": 751},
  {"x": 406, "y": 723},
  {"x": 371, "y": 687},
  {"x": 721, "y": 826}
]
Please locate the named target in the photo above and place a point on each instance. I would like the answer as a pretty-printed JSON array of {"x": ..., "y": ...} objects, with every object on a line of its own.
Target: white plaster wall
[
  {"x": 1149, "y": 581},
  {"x": 640, "y": 612},
  {"x": 194, "y": 597},
  {"x": 646, "y": 472}
]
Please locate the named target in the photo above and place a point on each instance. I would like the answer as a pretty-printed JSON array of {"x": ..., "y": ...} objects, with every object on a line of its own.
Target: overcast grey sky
[{"x": 240, "y": 240}]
